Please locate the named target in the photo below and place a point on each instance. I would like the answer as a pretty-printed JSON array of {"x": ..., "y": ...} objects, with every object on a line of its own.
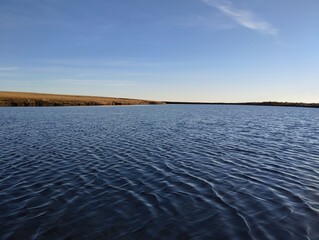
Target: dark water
[{"x": 159, "y": 172}]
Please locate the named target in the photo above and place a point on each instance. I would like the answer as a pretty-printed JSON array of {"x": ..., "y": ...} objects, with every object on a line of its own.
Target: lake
[{"x": 159, "y": 172}]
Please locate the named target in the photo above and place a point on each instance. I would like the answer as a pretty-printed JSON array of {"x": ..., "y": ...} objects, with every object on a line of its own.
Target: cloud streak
[
  {"x": 6, "y": 69},
  {"x": 244, "y": 18},
  {"x": 98, "y": 82}
]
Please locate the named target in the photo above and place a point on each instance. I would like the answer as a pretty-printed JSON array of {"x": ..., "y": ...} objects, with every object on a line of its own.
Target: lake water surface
[{"x": 159, "y": 172}]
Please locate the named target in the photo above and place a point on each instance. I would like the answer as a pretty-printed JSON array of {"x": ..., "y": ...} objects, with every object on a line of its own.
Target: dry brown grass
[{"x": 41, "y": 99}]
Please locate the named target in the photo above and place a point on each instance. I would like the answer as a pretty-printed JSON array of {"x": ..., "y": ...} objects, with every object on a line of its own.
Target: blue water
[{"x": 159, "y": 172}]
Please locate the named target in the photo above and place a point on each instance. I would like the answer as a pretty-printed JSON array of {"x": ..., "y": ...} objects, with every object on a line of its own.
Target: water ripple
[{"x": 159, "y": 172}]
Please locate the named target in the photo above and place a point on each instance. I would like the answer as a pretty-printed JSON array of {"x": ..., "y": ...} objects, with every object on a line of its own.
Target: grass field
[{"x": 41, "y": 99}]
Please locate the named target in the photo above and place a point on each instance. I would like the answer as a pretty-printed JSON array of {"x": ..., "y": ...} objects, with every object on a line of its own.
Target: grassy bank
[{"x": 40, "y": 99}]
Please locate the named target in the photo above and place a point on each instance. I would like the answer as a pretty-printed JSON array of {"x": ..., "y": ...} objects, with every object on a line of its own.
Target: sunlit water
[{"x": 159, "y": 172}]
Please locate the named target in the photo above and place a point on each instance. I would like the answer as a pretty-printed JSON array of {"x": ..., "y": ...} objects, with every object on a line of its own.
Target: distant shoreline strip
[
  {"x": 273, "y": 104},
  {"x": 24, "y": 99}
]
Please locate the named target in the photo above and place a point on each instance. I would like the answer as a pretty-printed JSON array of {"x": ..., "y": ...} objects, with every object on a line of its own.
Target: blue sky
[{"x": 184, "y": 50}]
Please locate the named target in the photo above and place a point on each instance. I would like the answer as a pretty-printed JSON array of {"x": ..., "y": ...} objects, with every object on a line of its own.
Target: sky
[{"x": 174, "y": 50}]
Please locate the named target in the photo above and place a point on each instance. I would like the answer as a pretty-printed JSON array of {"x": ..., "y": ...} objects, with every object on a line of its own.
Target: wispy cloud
[
  {"x": 243, "y": 17},
  {"x": 98, "y": 82},
  {"x": 5, "y": 69}
]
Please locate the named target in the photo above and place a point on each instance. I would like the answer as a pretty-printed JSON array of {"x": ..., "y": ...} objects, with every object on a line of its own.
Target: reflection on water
[{"x": 159, "y": 172}]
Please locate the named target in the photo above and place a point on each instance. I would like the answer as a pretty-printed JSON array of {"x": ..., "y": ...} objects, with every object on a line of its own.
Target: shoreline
[
  {"x": 27, "y": 99},
  {"x": 268, "y": 103}
]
